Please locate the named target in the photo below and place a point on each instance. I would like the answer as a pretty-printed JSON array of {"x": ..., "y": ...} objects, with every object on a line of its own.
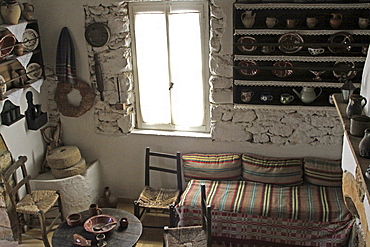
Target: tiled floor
[{"x": 151, "y": 237}]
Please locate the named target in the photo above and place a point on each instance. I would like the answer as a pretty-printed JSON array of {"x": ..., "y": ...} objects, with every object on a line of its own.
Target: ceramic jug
[
  {"x": 307, "y": 94},
  {"x": 11, "y": 12},
  {"x": 364, "y": 146},
  {"x": 336, "y": 20},
  {"x": 27, "y": 12},
  {"x": 355, "y": 105},
  {"x": 248, "y": 18},
  {"x": 108, "y": 200}
]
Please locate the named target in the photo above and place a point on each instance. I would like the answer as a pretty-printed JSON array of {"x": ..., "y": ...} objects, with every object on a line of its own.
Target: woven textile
[
  {"x": 39, "y": 200},
  {"x": 211, "y": 166},
  {"x": 296, "y": 215},
  {"x": 323, "y": 172},
  {"x": 65, "y": 61},
  {"x": 272, "y": 170}
]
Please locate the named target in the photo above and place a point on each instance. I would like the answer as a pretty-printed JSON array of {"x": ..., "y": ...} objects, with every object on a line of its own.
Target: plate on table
[
  {"x": 34, "y": 71},
  {"x": 282, "y": 73},
  {"x": 30, "y": 39},
  {"x": 350, "y": 74},
  {"x": 290, "y": 43},
  {"x": 341, "y": 38},
  {"x": 248, "y": 72},
  {"x": 247, "y": 48}
]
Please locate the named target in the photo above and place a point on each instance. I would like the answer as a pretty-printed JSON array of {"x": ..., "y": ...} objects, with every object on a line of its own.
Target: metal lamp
[{"x": 347, "y": 88}]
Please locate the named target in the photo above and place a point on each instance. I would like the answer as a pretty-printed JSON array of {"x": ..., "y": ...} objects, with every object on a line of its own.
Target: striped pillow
[
  {"x": 323, "y": 172},
  {"x": 211, "y": 166},
  {"x": 281, "y": 171}
]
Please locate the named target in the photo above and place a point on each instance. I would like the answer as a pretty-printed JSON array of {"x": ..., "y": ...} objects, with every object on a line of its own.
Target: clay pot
[
  {"x": 108, "y": 200},
  {"x": 364, "y": 146},
  {"x": 18, "y": 50},
  {"x": 336, "y": 20},
  {"x": 27, "y": 12},
  {"x": 11, "y": 12}
]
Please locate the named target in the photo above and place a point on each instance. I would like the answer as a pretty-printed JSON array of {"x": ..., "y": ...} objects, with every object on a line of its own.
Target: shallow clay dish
[
  {"x": 248, "y": 72},
  {"x": 100, "y": 220}
]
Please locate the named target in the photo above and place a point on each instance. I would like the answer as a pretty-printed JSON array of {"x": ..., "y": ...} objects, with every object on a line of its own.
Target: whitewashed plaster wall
[{"x": 275, "y": 132}]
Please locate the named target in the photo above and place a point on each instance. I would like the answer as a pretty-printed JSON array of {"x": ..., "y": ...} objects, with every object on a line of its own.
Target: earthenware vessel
[
  {"x": 248, "y": 18},
  {"x": 108, "y": 200},
  {"x": 28, "y": 10},
  {"x": 364, "y": 146},
  {"x": 11, "y": 12},
  {"x": 355, "y": 105},
  {"x": 336, "y": 20},
  {"x": 307, "y": 94}
]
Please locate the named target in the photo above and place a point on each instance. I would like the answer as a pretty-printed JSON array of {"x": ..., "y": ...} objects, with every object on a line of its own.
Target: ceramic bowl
[
  {"x": 99, "y": 220},
  {"x": 74, "y": 219}
]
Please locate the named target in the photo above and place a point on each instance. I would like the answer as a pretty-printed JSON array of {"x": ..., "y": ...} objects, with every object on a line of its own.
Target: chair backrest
[
  {"x": 177, "y": 170},
  {"x": 12, "y": 185},
  {"x": 206, "y": 215}
]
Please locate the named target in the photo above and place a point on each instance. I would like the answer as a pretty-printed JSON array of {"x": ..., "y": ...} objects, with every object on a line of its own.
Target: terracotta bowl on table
[{"x": 100, "y": 220}]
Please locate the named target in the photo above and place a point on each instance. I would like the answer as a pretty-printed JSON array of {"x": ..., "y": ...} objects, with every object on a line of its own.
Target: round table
[{"x": 63, "y": 235}]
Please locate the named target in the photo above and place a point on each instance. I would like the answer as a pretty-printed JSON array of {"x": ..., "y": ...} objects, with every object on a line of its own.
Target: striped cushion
[
  {"x": 323, "y": 172},
  {"x": 212, "y": 166},
  {"x": 287, "y": 171}
]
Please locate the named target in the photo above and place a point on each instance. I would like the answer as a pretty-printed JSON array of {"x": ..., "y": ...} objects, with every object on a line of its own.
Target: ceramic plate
[
  {"x": 341, "y": 38},
  {"x": 280, "y": 72},
  {"x": 247, "y": 48},
  {"x": 34, "y": 71},
  {"x": 30, "y": 39},
  {"x": 290, "y": 42},
  {"x": 248, "y": 72},
  {"x": 345, "y": 66}
]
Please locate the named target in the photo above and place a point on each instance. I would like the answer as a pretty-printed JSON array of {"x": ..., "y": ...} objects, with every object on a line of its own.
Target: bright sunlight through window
[{"x": 171, "y": 72}]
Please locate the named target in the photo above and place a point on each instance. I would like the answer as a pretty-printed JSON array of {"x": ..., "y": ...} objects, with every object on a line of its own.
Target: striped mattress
[{"x": 305, "y": 215}]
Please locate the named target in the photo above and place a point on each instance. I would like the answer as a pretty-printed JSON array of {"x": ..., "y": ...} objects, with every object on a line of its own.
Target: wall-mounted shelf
[{"x": 259, "y": 71}]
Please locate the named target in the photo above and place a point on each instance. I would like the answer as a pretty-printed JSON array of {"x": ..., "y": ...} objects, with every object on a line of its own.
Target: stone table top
[{"x": 63, "y": 235}]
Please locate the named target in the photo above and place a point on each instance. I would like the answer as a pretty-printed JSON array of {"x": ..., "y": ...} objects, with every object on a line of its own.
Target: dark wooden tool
[{"x": 99, "y": 76}]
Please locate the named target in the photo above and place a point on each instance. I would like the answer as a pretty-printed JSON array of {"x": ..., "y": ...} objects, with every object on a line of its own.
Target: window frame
[{"x": 164, "y": 6}]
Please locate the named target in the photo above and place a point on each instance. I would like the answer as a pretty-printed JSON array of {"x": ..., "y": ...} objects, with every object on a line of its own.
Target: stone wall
[{"x": 261, "y": 125}]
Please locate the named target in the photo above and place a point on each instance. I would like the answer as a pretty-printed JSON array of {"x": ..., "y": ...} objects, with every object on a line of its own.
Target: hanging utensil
[
  {"x": 99, "y": 76},
  {"x": 119, "y": 105}
]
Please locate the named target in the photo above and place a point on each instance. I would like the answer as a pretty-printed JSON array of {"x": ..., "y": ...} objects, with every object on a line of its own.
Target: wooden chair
[
  {"x": 159, "y": 198},
  {"x": 33, "y": 205},
  {"x": 196, "y": 236}
]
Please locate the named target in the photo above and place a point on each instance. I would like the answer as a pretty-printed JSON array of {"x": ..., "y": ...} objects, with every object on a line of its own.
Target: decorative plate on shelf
[
  {"x": 247, "y": 48},
  {"x": 282, "y": 72},
  {"x": 343, "y": 68},
  {"x": 248, "y": 72},
  {"x": 342, "y": 39},
  {"x": 30, "y": 39},
  {"x": 290, "y": 42},
  {"x": 34, "y": 71}
]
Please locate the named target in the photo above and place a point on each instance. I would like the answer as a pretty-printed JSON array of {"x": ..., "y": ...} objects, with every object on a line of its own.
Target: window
[{"x": 170, "y": 45}]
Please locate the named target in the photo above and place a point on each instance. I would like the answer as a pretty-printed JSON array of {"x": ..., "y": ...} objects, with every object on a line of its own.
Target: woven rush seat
[
  {"x": 186, "y": 236},
  {"x": 159, "y": 198},
  {"x": 36, "y": 201}
]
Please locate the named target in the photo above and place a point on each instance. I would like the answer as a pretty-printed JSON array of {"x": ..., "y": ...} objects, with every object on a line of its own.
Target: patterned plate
[
  {"x": 30, "y": 39},
  {"x": 291, "y": 42},
  {"x": 34, "y": 71}
]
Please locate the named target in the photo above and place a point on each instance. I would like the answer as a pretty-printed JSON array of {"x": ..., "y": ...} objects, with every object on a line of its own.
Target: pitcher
[
  {"x": 248, "y": 18},
  {"x": 355, "y": 105},
  {"x": 27, "y": 12},
  {"x": 336, "y": 20},
  {"x": 11, "y": 12}
]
